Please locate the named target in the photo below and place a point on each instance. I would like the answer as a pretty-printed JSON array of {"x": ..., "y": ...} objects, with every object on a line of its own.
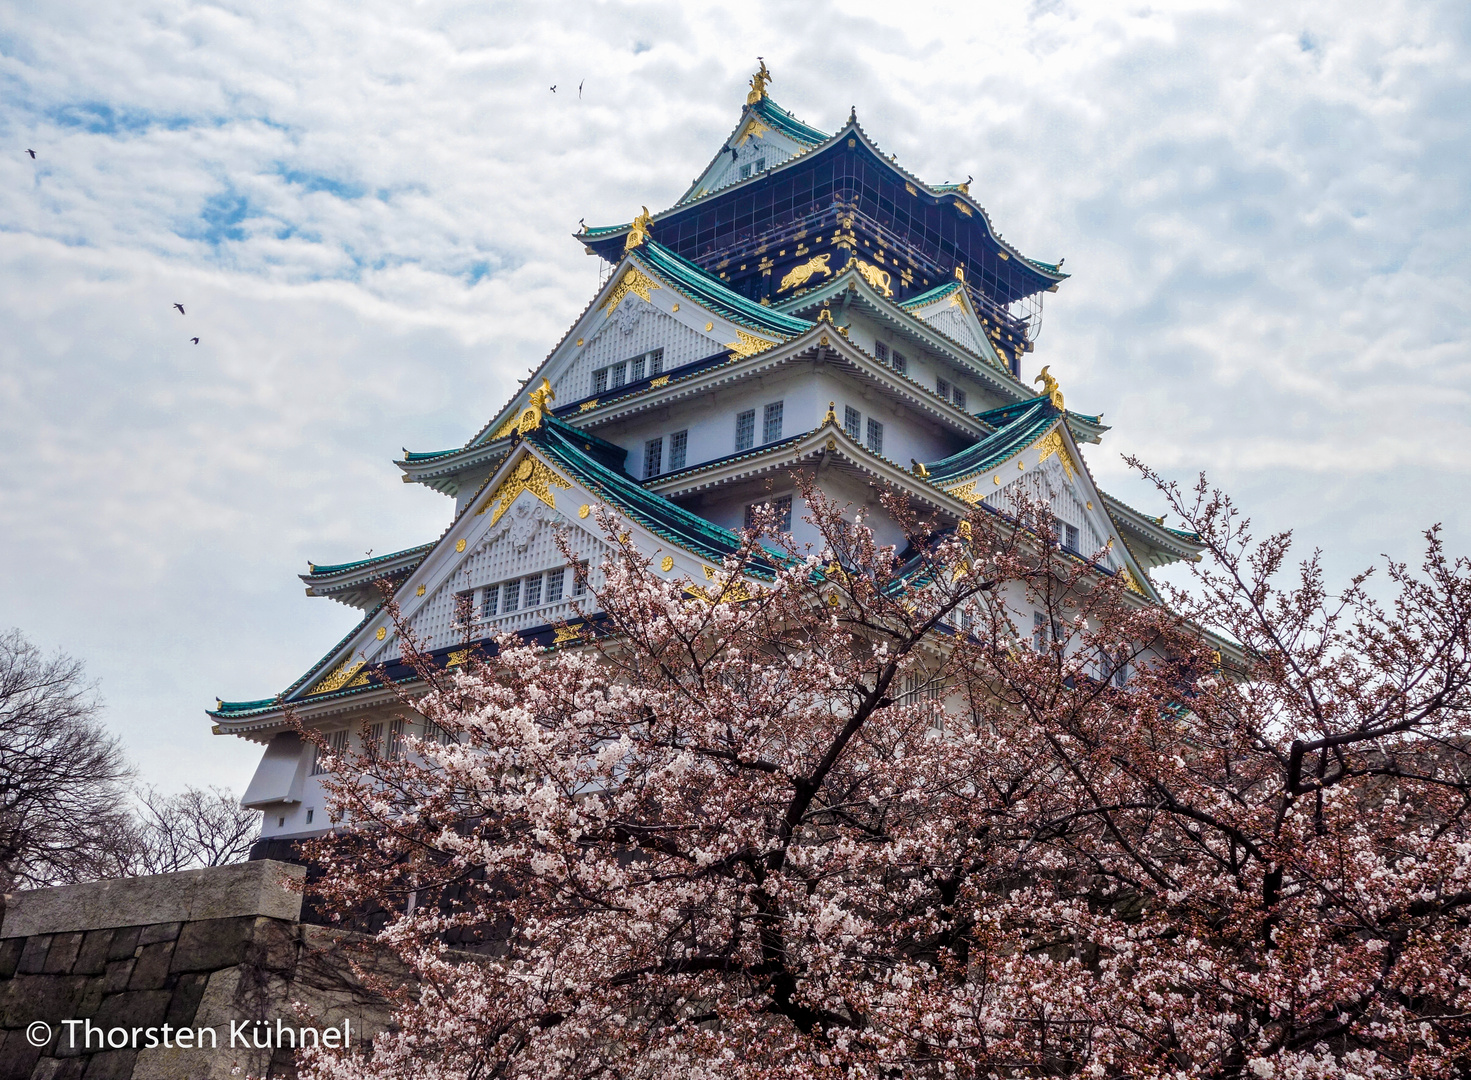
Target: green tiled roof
[
  {"x": 1017, "y": 427},
  {"x": 323, "y": 570},
  {"x": 787, "y": 124},
  {"x": 940, "y": 291},
  {"x": 428, "y": 456},
  {"x": 623, "y": 493},
  {"x": 709, "y": 290}
]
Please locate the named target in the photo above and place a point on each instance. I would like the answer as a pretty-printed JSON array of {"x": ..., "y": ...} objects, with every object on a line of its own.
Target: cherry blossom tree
[{"x": 971, "y": 808}]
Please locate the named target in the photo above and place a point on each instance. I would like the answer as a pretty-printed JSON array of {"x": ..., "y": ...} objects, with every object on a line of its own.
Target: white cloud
[{"x": 365, "y": 210}]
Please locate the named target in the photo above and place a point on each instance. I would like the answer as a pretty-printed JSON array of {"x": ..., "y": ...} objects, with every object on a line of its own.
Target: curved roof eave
[{"x": 960, "y": 193}]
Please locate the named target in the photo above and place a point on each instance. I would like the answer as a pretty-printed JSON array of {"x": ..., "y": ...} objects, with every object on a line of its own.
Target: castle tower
[{"x": 806, "y": 305}]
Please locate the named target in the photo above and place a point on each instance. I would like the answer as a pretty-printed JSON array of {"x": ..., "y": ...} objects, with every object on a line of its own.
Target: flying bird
[
  {"x": 195, "y": 340},
  {"x": 554, "y": 88},
  {"x": 32, "y": 153},
  {"x": 579, "y": 90},
  {"x": 180, "y": 307}
]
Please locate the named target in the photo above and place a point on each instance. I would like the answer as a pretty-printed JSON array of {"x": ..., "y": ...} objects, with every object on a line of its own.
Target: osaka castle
[{"x": 807, "y": 306}]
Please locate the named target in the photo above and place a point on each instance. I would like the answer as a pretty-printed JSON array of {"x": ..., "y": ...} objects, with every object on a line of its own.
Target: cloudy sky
[{"x": 365, "y": 209}]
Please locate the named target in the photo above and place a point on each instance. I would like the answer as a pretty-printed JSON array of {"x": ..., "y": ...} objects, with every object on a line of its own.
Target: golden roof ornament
[
  {"x": 638, "y": 232},
  {"x": 758, "y": 83},
  {"x": 535, "y": 408},
  {"x": 1049, "y": 387}
]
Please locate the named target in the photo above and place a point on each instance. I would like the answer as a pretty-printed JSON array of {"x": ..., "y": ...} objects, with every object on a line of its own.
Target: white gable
[
  {"x": 952, "y": 316},
  {"x": 757, "y": 147},
  {"x": 635, "y": 328}
]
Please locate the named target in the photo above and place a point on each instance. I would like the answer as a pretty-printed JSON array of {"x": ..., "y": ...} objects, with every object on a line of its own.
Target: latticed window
[
  {"x": 490, "y": 601},
  {"x": 579, "y": 578},
  {"x": 852, "y": 423},
  {"x": 783, "y": 508},
  {"x": 532, "y": 595},
  {"x": 900, "y": 363},
  {"x": 771, "y": 423},
  {"x": 555, "y": 580},
  {"x": 653, "y": 456},
  {"x": 375, "y": 740},
  {"x": 745, "y": 430},
  {"x": 600, "y": 380},
  {"x": 875, "y": 436},
  {"x": 336, "y": 744},
  {"x": 942, "y": 387},
  {"x": 395, "y": 739},
  {"x": 619, "y": 375},
  {"x": 678, "y": 444},
  {"x": 656, "y": 362},
  {"x": 957, "y": 395},
  {"x": 510, "y": 596},
  {"x": 464, "y": 607},
  {"x": 880, "y": 350}
]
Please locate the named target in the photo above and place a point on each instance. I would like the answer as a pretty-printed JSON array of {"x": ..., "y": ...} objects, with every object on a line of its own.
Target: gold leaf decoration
[
  {"x": 748, "y": 345},
  {"x": 633, "y": 281},
  {"x": 800, "y": 275},
  {"x": 340, "y": 676},
  {"x": 1053, "y": 444},
  {"x": 530, "y": 474}
]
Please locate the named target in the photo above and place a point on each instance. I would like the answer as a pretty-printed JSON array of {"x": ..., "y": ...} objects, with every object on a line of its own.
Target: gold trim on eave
[
  {"x": 748, "y": 345},
  {"x": 342, "y": 675},
  {"x": 530, "y": 475},
  {"x": 1052, "y": 443}
]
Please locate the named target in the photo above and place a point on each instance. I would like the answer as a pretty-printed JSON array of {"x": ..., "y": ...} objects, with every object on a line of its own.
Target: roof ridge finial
[
  {"x": 758, "y": 83},
  {"x": 1049, "y": 387},
  {"x": 852, "y": 114},
  {"x": 638, "y": 232}
]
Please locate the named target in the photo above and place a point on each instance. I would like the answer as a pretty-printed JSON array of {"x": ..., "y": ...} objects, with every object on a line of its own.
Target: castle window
[
  {"x": 745, "y": 171},
  {"x": 490, "y": 601},
  {"x": 336, "y": 744},
  {"x": 374, "y": 748},
  {"x": 636, "y": 369},
  {"x": 533, "y": 591},
  {"x": 579, "y": 578},
  {"x": 464, "y": 607},
  {"x": 783, "y": 507},
  {"x": 555, "y": 578},
  {"x": 395, "y": 739},
  {"x": 942, "y": 388},
  {"x": 745, "y": 430},
  {"x": 653, "y": 456},
  {"x": 656, "y": 362},
  {"x": 510, "y": 596},
  {"x": 619, "y": 375},
  {"x": 678, "y": 443},
  {"x": 600, "y": 380},
  {"x": 771, "y": 422},
  {"x": 875, "y": 436},
  {"x": 957, "y": 395},
  {"x": 900, "y": 363},
  {"x": 880, "y": 350},
  {"x": 310, "y": 813},
  {"x": 852, "y": 423}
]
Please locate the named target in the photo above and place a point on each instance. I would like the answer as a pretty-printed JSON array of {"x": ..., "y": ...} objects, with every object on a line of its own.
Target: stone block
[
  {"x": 213, "y": 944},
  {"x": 168, "y": 931},
  {"x": 63, "y": 953},
  {"x": 92, "y": 956},
  {"x": 134, "y": 1008},
  {"x": 111, "y": 1065},
  {"x": 117, "y": 976},
  {"x": 59, "y": 1069},
  {"x": 52, "y": 998},
  {"x": 215, "y": 892},
  {"x": 188, "y": 992},
  {"x": 17, "y": 1056},
  {"x": 93, "y": 991},
  {"x": 152, "y": 966},
  {"x": 10, "y": 950},
  {"x": 124, "y": 943},
  {"x": 33, "y": 956}
]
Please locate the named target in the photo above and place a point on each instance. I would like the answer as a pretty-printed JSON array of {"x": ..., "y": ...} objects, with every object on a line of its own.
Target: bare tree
[
  {"x": 193, "y": 828},
  {"x": 64, "y": 807}
]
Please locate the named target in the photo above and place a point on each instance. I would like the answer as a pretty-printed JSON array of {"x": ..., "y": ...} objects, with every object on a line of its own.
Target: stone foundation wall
[{"x": 217, "y": 950}]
